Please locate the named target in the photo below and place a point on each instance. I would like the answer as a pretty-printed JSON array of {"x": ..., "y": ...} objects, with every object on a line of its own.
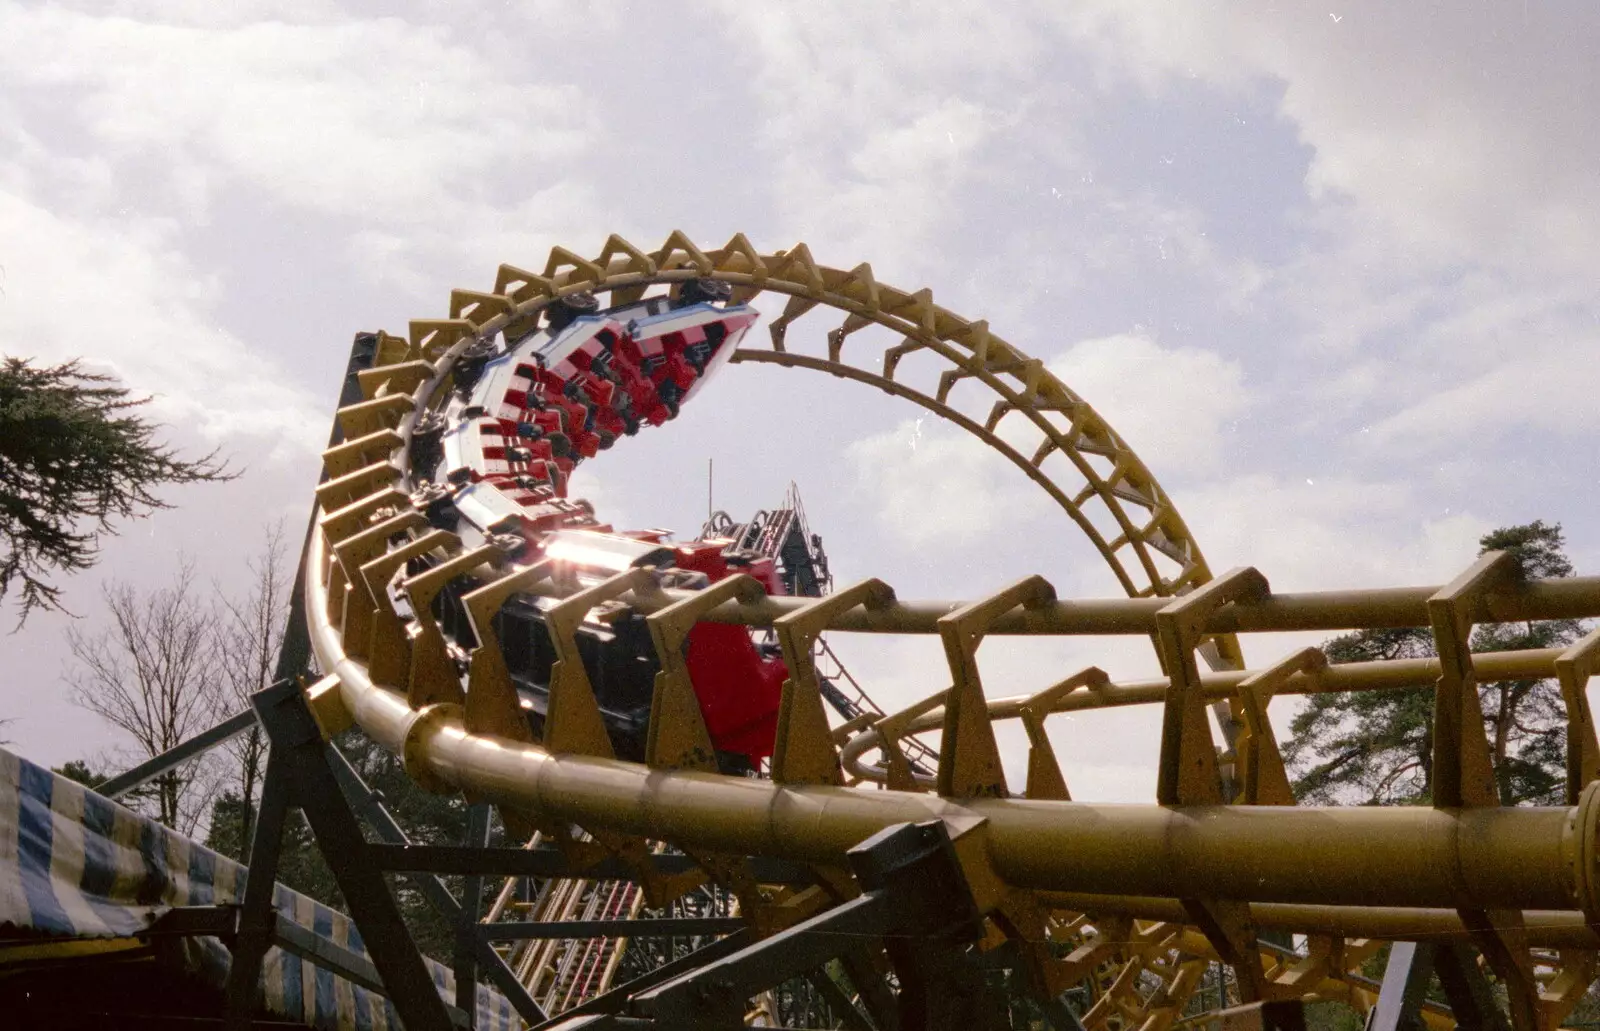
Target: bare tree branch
[
  {"x": 249, "y": 635},
  {"x": 152, "y": 675}
]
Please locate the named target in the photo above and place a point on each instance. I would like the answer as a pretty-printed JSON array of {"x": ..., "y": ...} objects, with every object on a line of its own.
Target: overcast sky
[{"x": 1330, "y": 271}]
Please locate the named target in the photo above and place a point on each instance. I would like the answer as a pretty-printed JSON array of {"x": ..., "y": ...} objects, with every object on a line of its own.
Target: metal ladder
[{"x": 562, "y": 973}]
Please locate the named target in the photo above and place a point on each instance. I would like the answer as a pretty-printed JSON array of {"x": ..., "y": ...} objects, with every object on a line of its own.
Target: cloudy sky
[{"x": 1330, "y": 271}]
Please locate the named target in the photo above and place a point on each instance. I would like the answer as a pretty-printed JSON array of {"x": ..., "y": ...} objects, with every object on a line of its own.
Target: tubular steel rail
[{"x": 1131, "y": 901}]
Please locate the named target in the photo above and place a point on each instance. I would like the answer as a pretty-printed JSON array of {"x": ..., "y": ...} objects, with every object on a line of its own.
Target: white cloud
[
  {"x": 125, "y": 300},
  {"x": 926, "y": 484},
  {"x": 835, "y": 67},
  {"x": 873, "y": 117},
  {"x": 372, "y": 119},
  {"x": 1442, "y": 279},
  {"x": 1461, "y": 134},
  {"x": 1434, "y": 259},
  {"x": 900, "y": 179},
  {"x": 1546, "y": 388},
  {"x": 594, "y": 488},
  {"x": 1317, "y": 532},
  {"x": 1173, "y": 406}
]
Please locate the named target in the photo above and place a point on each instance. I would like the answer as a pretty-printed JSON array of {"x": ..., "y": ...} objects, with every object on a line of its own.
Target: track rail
[{"x": 1131, "y": 897}]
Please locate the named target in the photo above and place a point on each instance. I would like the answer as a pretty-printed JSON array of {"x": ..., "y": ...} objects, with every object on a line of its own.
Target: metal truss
[{"x": 1130, "y": 905}]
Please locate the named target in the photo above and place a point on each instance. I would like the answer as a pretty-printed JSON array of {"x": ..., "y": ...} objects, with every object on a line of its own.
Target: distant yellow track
[{"x": 1119, "y": 889}]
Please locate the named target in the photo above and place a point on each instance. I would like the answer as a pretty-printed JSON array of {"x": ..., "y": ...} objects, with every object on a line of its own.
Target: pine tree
[
  {"x": 74, "y": 457},
  {"x": 1376, "y": 747}
]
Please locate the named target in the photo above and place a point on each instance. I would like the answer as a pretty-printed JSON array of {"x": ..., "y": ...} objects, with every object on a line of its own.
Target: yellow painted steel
[
  {"x": 1152, "y": 888},
  {"x": 1408, "y": 856}
]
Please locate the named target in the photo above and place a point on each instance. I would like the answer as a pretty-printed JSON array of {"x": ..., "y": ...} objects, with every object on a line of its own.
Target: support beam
[
  {"x": 890, "y": 731},
  {"x": 551, "y": 862},
  {"x": 383, "y": 413},
  {"x": 617, "y": 998},
  {"x": 1462, "y": 772},
  {"x": 222, "y": 922},
  {"x": 352, "y": 485},
  {"x": 468, "y": 915},
  {"x": 914, "y": 896},
  {"x": 256, "y": 920},
  {"x": 493, "y": 706},
  {"x": 342, "y": 459},
  {"x": 1463, "y": 768},
  {"x": 177, "y": 755},
  {"x": 433, "y": 678},
  {"x": 1045, "y": 779},
  {"x": 352, "y": 553},
  {"x": 1471, "y": 998},
  {"x": 1188, "y": 771},
  {"x": 366, "y": 803},
  {"x": 298, "y": 770},
  {"x": 969, "y": 758},
  {"x": 1405, "y": 983},
  {"x": 1573, "y": 669},
  {"x": 677, "y": 738},
  {"x": 389, "y": 646},
  {"x": 803, "y": 750},
  {"x": 343, "y": 962},
  {"x": 838, "y": 1001},
  {"x": 573, "y": 722},
  {"x": 1264, "y": 779}
]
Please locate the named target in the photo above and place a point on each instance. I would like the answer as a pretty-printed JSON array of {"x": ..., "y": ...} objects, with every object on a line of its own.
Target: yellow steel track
[{"x": 1136, "y": 899}]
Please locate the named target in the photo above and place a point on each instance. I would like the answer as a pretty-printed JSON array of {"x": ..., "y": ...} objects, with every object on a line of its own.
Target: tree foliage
[
  {"x": 74, "y": 456},
  {"x": 1368, "y": 746},
  {"x": 81, "y": 772},
  {"x": 1376, "y": 747}
]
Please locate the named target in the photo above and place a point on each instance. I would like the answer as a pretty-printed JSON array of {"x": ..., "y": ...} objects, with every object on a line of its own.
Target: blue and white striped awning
[{"x": 74, "y": 864}]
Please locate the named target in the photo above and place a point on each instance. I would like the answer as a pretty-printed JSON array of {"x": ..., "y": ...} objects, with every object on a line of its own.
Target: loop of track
[
  {"x": 1146, "y": 521},
  {"x": 1147, "y": 968}
]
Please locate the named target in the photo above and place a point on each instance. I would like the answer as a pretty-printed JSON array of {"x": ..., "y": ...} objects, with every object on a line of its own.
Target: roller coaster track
[{"x": 1133, "y": 903}]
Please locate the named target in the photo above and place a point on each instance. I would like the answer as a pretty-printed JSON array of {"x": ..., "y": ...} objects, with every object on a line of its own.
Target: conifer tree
[
  {"x": 1376, "y": 747},
  {"x": 74, "y": 457}
]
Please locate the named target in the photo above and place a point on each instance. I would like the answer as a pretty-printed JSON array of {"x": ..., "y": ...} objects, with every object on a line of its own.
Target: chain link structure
[{"x": 1130, "y": 904}]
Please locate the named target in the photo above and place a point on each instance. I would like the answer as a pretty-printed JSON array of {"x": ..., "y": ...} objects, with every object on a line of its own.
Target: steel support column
[
  {"x": 1405, "y": 982},
  {"x": 915, "y": 898},
  {"x": 365, "y": 802},
  {"x": 256, "y": 916},
  {"x": 1471, "y": 999},
  {"x": 298, "y": 773},
  {"x": 176, "y": 756},
  {"x": 466, "y": 961},
  {"x": 400, "y": 857},
  {"x": 617, "y": 998}
]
